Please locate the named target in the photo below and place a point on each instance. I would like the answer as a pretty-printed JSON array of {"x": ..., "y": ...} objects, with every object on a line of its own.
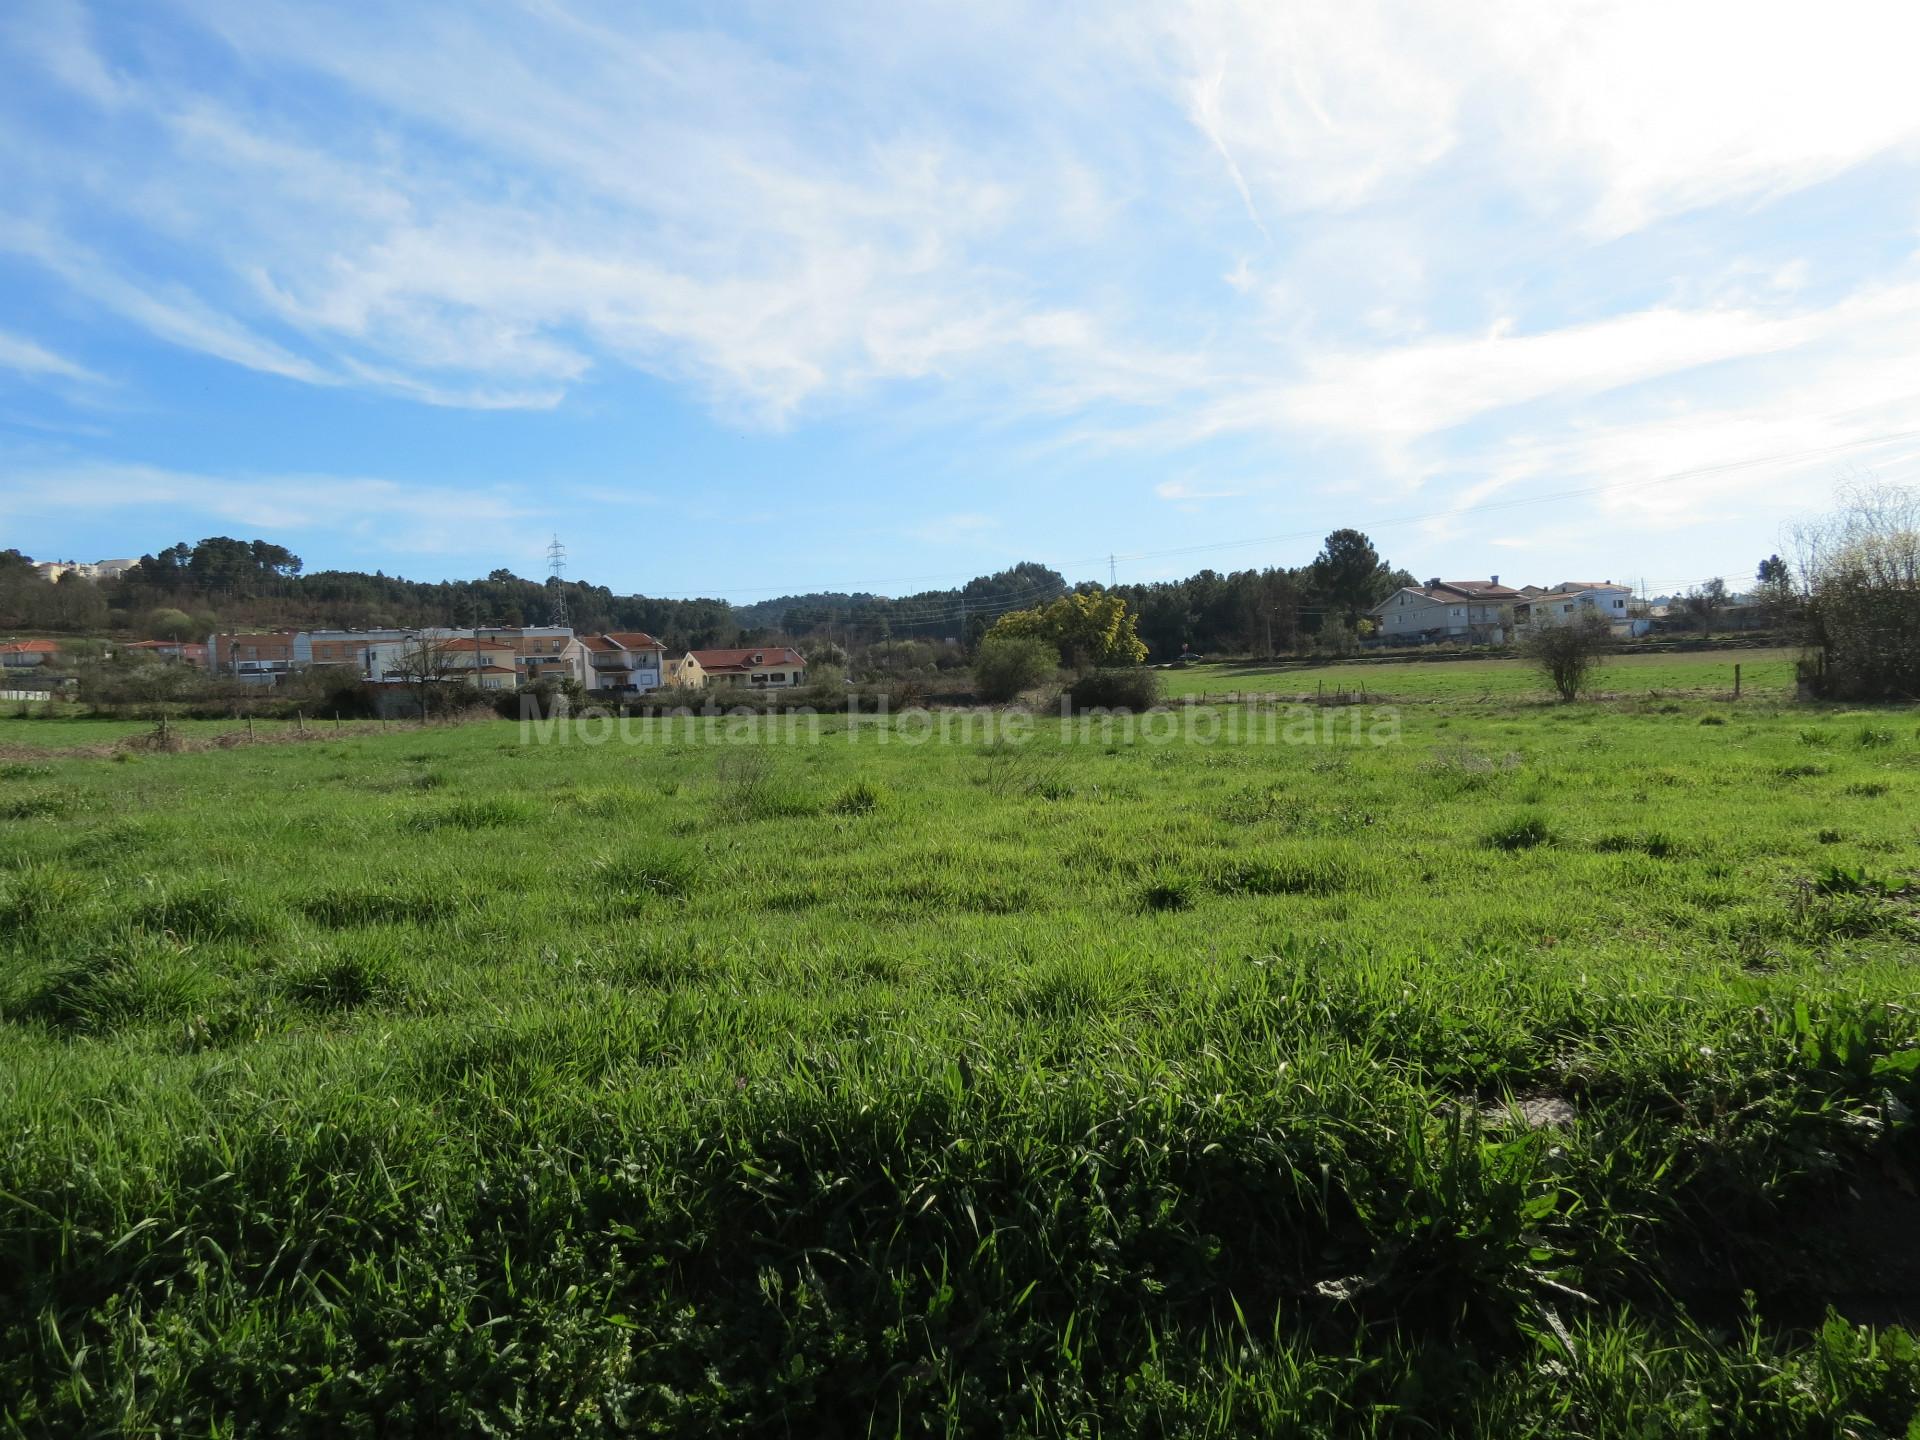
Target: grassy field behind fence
[
  {"x": 1548, "y": 1070},
  {"x": 1764, "y": 674}
]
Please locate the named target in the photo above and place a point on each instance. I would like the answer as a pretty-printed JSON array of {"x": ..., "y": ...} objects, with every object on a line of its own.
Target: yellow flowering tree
[{"x": 1087, "y": 627}]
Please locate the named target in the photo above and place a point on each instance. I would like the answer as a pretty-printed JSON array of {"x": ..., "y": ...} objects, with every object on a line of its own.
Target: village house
[
  {"x": 487, "y": 664},
  {"x": 544, "y": 652},
  {"x": 629, "y": 662},
  {"x": 1476, "y": 611},
  {"x": 348, "y": 647},
  {"x": 756, "y": 666},
  {"x": 258, "y": 657},
  {"x": 25, "y": 654},
  {"x": 1573, "y": 598},
  {"x": 97, "y": 570},
  {"x": 188, "y": 652}
]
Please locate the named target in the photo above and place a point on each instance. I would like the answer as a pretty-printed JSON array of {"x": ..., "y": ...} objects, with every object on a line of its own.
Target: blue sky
[{"x": 763, "y": 298}]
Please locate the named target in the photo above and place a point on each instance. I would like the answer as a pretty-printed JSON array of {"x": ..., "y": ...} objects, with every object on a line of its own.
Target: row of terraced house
[{"x": 624, "y": 663}]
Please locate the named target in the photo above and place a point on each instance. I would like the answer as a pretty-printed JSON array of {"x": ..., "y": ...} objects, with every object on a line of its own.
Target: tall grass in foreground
[{"x": 1551, "y": 1073}]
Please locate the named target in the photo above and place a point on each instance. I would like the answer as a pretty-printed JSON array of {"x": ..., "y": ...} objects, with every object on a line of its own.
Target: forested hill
[
  {"x": 925, "y": 614},
  {"x": 223, "y": 583}
]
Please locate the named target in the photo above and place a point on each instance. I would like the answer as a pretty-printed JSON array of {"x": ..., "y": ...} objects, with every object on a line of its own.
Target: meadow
[
  {"x": 1544, "y": 1069},
  {"x": 1765, "y": 673}
]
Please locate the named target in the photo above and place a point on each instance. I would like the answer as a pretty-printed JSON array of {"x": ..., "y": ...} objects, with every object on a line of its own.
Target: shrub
[
  {"x": 1567, "y": 653},
  {"x": 546, "y": 697},
  {"x": 1008, "y": 665},
  {"x": 1859, "y": 568},
  {"x": 1114, "y": 690}
]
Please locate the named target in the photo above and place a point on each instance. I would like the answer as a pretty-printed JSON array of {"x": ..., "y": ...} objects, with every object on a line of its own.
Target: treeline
[
  {"x": 1272, "y": 611},
  {"x": 189, "y": 590},
  {"x": 864, "y": 619}
]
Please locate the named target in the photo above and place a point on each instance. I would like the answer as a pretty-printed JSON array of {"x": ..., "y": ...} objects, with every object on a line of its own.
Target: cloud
[
  {"x": 25, "y": 357},
  {"x": 1625, "y": 112},
  {"x": 407, "y": 517},
  {"x": 1471, "y": 249},
  {"x": 1185, "y": 490},
  {"x": 57, "y": 34}
]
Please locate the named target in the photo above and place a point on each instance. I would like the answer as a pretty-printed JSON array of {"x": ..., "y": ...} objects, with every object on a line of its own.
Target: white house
[
  {"x": 1479, "y": 611},
  {"x": 625, "y": 661},
  {"x": 1570, "y": 599},
  {"x": 489, "y": 665}
]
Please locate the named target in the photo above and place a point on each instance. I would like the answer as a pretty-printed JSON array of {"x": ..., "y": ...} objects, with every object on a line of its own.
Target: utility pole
[
  {"x": 556, "y": 569},
  {"x": 1113, "y": 572}
]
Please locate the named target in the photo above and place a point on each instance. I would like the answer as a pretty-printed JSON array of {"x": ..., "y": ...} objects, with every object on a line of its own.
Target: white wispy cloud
[
  {"x": 1438, "y": 246},
  {"x": 27, "y": 357},
  {"x": 424, "y": 519}
]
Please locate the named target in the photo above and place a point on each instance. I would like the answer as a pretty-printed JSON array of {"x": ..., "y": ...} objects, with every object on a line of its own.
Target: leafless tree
[
  {"x": 1860, "y": 572},
  {"x": 425, "y": 665}
]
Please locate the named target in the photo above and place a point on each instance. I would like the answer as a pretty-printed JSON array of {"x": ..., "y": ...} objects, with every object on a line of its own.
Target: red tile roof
[
  {"x": 465, "y": 647},
  {"x": 743, "y": 659},
  {"x": 30, "y": 647}
]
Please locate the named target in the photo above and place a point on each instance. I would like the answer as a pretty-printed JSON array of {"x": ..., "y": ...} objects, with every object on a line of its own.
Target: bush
[
  {"x": 1007, "y": 666},
  {"x": 1861, "y": 569},
  {"x": 1567, "y": 653},
  {"x": 1115, "y": 690},
  {"x": 546, "y": 697}
]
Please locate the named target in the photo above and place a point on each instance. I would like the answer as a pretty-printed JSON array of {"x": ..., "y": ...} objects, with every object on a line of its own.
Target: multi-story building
[
  {"x": 97, "y": 570},
  {"x": 258, "y": 656},
  {"x": 1477, "y": 611},
  {"x": 349, "y": 647},
  {"x": 1570, "y": 599},
  {"x": 543, "y": 652},
  {"x": 625, "y": 661},
  {"x": 488, "y": 664}
]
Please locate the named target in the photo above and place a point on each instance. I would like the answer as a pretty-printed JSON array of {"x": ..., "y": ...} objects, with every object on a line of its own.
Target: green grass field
[
  {"x": 1547, "y": 1070},
  {"x": 1765, "y": 674}
]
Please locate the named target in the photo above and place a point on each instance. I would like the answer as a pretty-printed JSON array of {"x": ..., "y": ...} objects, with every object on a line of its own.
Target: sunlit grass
[{"x": 1064, "y": 1088}]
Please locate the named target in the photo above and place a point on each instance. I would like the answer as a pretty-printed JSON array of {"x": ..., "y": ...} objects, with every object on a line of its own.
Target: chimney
[
  {"x": 1434, "y": 584},
  {"x": 1496, "y": 579}
]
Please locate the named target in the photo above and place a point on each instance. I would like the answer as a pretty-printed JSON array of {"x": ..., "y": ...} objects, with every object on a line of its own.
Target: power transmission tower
[
  {"x": 556, "y": 570},
  {"x": 1113, "y": 572}
]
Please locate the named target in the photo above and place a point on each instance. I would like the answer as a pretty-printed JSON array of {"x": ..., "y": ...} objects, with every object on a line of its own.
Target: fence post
[{"x": 1736, "y": 680}]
